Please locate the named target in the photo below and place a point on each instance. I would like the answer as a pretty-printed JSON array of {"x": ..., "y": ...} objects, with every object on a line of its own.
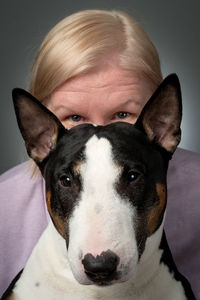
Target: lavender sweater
[{"x": 23, "y": 217}]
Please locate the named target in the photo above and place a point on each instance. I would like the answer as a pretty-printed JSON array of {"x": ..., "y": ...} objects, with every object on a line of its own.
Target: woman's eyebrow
[
  {"x": 71, "y": 108},
  {"x": 129, "y": 102},
  {"x": 62, "y": 109}
]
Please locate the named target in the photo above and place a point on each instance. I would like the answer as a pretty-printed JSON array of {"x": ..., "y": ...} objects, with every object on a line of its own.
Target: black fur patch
[
  {"x": 168, "y": 260},
  {"x": 131, "y": 151},
  {"x": 71, "y": 152},
  {"x": 7, "y": 294}
]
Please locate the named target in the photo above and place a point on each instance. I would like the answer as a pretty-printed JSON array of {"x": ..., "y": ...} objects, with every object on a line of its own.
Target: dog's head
[{"x": 105, "y": 186}]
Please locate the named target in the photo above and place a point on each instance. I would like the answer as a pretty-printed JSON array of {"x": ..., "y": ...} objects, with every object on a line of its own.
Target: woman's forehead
[
  {"x": 99, "y": 95},
  {"x": 107, "y": 79},
  {"x": 101, "y": 78}
]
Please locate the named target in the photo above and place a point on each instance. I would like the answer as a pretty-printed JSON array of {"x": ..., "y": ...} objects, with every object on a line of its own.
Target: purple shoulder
[
  {"x": 185, "y": 159},
  {"x": 183, "y": 211},
  {"x": 21, "y": 173},
  {"x": 20, "y": 170}
]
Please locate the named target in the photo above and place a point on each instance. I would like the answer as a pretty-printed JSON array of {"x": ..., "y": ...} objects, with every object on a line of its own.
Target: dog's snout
[{"x": 101, "y": 268}]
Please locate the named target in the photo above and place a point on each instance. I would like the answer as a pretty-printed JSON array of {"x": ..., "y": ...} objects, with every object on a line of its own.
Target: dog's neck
[
  {"x": 49, "y": 264},
  {"x": 149, "y": 264},
  {"x": 148, "y": 267}
]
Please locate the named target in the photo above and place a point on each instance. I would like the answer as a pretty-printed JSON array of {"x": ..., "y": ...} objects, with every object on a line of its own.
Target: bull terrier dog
[{"x": 106, "y": 195}]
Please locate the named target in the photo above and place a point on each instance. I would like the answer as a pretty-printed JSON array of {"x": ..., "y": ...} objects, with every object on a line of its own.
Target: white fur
[
  {"x": 102, "y": 221},
  {"x": 48, "y": 266}
]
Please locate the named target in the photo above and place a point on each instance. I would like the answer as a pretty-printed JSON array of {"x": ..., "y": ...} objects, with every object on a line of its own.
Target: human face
[{"x": 105, "y": 95}]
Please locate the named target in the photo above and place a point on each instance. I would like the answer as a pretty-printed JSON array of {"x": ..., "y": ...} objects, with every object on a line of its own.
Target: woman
[{"x": 94, "y": 67}]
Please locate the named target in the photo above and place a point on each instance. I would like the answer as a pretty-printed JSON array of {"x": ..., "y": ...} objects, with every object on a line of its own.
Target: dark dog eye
[
  {"x": 65, "y": 180},
  {"x": 132, "y": 176}
]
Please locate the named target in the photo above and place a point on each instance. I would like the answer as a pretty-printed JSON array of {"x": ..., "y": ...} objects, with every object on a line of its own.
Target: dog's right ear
[{"x": 39, "y": 127}]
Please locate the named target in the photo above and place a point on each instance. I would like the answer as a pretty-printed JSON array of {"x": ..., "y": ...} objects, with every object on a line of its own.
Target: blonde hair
[{"x": 78, "y": 43}]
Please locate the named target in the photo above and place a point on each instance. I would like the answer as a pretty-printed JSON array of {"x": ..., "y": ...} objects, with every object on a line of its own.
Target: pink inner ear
[
  {"x": 170, "y": 139},
  {"x": 162, "y": 120},
  {"x": 43, "y": 144},
  {"x": 169, "y": 143},
  {"x": 163, "y": 131}
]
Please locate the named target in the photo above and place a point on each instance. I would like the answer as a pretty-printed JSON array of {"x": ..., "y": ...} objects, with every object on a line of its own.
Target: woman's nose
[{"x": 99, "y": 121}]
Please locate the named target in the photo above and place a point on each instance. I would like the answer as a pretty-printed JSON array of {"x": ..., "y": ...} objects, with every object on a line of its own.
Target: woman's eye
[
  {"x": 75, "y": 118},
  {"x": 122, "y": 115},
  {"x": 66, "y": 181}
]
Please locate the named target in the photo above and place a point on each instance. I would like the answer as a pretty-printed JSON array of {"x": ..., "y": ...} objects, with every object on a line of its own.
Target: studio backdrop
[{"x": 173, "y": 25}]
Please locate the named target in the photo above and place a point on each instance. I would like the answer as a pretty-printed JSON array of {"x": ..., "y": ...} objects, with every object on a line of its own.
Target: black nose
[{"x": 102, "y": 268}]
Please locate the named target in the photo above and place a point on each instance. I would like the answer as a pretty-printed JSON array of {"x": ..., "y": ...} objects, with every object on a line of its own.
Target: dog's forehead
[
  {"x": 126, "y": 144},
  {"x": 121, "y": 136},
  {"x": 99, "y": 164}
]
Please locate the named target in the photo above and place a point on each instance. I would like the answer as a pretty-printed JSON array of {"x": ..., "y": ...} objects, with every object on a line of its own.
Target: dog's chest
[
  {"x": 46, "y": 277},
  {"x": 162, "y": 287}
]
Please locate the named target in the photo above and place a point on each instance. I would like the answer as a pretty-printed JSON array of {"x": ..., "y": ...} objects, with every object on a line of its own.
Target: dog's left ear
[
  {"x": 161, "y": 116},
  {"x": 39, "y": 127}
]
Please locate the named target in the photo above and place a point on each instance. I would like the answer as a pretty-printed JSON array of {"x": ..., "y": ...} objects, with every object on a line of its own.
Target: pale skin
[{"x": 107, "y": 94}]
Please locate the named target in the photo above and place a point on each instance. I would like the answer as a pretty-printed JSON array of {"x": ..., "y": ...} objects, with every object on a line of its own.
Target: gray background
[{"x": 173, "y": 25}]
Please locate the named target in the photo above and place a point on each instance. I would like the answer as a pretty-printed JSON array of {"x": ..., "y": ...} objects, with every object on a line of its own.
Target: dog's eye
[
  {"x": 132, "y": 176},
  {"x": 65, "y": 180}
]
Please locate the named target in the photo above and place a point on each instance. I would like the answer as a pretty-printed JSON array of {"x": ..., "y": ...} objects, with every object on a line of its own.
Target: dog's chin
[
  {"x": 109, "y": 283},
  {"x": 118, "y": 278},
  {"x": 125, "y": 270}
]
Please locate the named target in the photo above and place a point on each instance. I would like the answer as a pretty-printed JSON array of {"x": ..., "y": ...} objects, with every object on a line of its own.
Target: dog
[{"x": 106, "y": 195}]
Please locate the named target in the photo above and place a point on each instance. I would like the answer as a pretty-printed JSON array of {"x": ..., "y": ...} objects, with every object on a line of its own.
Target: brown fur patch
[
  {"x": 55, "y": 217},
  {"x": 12, "y": 297},
  {"x": 48, "y": 198},
  {"x": 119, "y": 167},
  {"x": 77, "y": 167},
  {"x": 155, "y": 213}
]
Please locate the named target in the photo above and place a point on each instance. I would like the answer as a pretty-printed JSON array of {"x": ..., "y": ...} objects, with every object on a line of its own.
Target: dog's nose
[{"x": 101, "y": 268}]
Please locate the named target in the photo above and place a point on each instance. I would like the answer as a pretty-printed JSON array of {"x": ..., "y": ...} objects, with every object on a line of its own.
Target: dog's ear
[
  {"x": 161, "y": 116},
  {"x": 39, "y": 127}
]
